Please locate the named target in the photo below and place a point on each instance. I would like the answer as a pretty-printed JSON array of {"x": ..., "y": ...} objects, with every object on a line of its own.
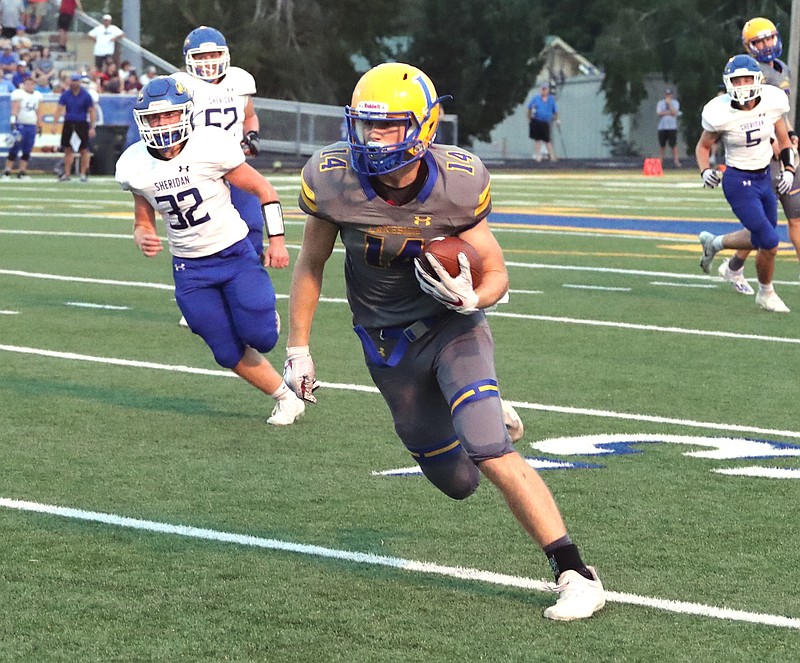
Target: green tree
[
  {"x": 482, "y": 53},
  {"x": 685, "y": 41}
]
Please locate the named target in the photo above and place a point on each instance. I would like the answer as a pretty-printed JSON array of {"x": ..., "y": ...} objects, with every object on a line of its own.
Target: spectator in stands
[
  {"x": 42, "y": 83},
  {"x": 6, "y": 86},
  {"x": 8, "y": 58},
  {"x": 66, "y": 13},
  {"x": 124, "y": 69},
  {"x": 77, "y": 108},
  {"x": 20, "y": 41},
  {"x": 37, "y": 10},
  {"x": 12, "y": 14},
  {"x": 149, "y": 74},
  {"x": 43, "y": 64},
  {"x": 109, "y": 78},
  {"x": 105, "y": 36},
  {"x": 132, "y": 84},
  {"x": 21, "y": 73}
]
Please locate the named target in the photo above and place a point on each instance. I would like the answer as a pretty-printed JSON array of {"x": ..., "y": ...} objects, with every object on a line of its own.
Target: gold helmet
[
  {"x": 762, "y": 30},
  {"x": 392, "y": 92}
]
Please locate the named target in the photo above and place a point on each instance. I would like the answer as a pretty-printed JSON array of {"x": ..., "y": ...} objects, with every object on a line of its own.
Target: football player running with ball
[
  {"x": 745, "y": 119},
  {"x": 386, "y": 192},
  {"x": 221, "y": 285}
]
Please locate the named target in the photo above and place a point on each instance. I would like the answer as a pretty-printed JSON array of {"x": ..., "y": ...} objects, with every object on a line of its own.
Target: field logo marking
[
  {"x": 535, "y": 463},
  {"x": 718, "y": 448}
]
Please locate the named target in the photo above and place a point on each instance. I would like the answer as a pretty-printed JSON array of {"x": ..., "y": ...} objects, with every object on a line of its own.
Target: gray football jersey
[
  {"x": 381, "y": 240},
  {"x": 779, "y": 76}
]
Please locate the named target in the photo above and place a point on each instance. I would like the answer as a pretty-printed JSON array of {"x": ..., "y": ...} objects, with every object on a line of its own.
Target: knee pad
[
  {"x": 478, "y": 419},
  {"x": 227, "y": 352},
  {"x": 264, "y": 337}
]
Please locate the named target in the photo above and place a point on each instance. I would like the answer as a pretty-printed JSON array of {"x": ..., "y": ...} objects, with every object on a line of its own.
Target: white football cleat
[
  {"x": 707, "y": 242},
  {"x": 579, "y": 598},
  {"x": 513, "y": 423},
  {"x": 770, "y": 301},
  {"x": 736, "y": 279},
  {"x": 287, "y": 411},
  {"x": 182, "y": 322}
]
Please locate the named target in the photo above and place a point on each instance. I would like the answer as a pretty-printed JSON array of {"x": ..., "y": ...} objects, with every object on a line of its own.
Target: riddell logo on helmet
[{"x": 372, "y": 106}]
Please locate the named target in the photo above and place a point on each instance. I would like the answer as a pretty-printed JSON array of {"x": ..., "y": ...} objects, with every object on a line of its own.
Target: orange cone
[{"x": 652, "y": 168}]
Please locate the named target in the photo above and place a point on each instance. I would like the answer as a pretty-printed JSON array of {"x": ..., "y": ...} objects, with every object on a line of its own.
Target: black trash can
[{"x": 109, "y": 144}]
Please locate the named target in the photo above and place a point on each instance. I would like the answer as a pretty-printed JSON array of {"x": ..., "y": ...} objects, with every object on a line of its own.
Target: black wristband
[{"x": 787, "y": 158}]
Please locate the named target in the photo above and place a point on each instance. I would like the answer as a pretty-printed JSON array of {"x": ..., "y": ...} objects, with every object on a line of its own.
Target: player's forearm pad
[{"x": 273, "y": 218}]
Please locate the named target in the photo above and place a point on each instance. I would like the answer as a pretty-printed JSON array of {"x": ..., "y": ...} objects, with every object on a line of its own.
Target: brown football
[{"x": 446, "y": 252}]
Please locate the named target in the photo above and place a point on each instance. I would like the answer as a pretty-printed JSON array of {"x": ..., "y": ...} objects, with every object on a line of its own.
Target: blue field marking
[{"x": 639, "y": 225}]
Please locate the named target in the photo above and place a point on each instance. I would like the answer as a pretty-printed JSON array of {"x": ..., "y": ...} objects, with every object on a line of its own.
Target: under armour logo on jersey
[
  {"x": 422, "y": 219},
  {"x": 179, "y": 267},
  {"x": 182, "y": 168}
]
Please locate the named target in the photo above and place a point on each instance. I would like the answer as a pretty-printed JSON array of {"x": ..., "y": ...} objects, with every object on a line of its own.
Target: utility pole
[
  {"x": 131, "y": 26},
  {"x": 794, "y": 52}
]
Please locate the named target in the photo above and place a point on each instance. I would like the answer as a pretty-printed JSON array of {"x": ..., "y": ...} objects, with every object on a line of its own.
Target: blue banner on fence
[{"x": 114, "y": 109}]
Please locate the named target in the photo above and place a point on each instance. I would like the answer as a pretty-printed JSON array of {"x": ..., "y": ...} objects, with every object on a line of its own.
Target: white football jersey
[
  {"x": 220, "y": 104},
  {"x": 28, "y": 103},
  {"x": 746, "y": 133},
  {"x": 188, "y": 190}
]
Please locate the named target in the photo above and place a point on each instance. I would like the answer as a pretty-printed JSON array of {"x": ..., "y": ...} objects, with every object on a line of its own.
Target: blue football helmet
[
  {"x": 206, "y": 40},
  {"x": 763, "y": 30},
  {"x": 392, "y": 92},
  {"x": 163, "y": 95},
  {"x": 737, "y": 67}
]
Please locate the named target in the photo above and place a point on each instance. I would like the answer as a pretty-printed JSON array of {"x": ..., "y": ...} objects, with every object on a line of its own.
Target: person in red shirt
[{"x": 66, "y": 13}]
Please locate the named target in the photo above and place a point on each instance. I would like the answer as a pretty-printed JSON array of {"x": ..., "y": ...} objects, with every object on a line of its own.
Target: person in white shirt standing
[
  {"x": 105, "y": 38},
  {"x": 746, "y": 119},
  {"x": 668, "y": 109},
  {"x": 26, "y": 122}
]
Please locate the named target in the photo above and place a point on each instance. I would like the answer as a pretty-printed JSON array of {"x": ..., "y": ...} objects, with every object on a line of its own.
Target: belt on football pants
[{"x": 404, "y": 335}]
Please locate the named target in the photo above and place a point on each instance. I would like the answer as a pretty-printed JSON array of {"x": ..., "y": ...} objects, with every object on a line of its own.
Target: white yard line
[
  {"x": 473, "y": 575},
  {"x": 113, "y": 361},
  {"x": 578, "y": 286}
]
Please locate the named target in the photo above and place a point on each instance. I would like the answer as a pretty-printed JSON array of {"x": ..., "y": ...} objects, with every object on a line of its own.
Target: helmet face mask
[
  {"x": 401, "y": 97},
  {"x": 741, "y": 66},
  {"x": 163, "y": 95},
  {"x": 762, "y": 30},
  {"x": 202, "y": 41}
]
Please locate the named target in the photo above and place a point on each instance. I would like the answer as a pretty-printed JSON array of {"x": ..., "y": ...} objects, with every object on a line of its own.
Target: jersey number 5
[{"x": 184, "y": 218}]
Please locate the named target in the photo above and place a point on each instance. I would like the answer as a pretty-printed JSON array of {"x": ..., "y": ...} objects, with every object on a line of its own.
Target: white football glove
[
  {"x": 299, "y": 374},
  {"x": 785, "y": 182},
  {"x": 455, "y": 292},
  {"x": 711, "y": 178}
]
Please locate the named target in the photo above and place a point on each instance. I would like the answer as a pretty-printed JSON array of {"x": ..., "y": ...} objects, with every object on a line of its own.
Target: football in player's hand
[{"x": 446, "y": 251}]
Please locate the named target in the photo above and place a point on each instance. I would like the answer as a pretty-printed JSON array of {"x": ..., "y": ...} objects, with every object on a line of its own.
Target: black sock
[
  {"x": 563, "y": 555},
  {"x": 735, "y": 264}
]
